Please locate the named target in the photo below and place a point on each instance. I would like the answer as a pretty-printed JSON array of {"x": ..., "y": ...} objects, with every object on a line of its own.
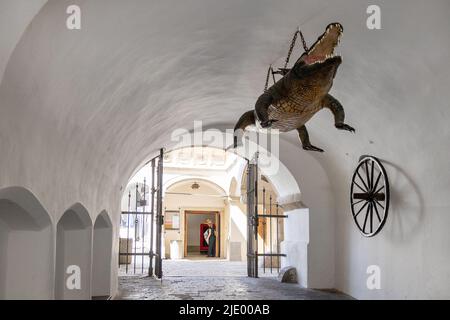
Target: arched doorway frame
[
  {"x": 101, "y": 257},
  {"x": 74, "y": 254},
  {"x": 26, "y": 268},
  {"x": 287, "y": 189}
]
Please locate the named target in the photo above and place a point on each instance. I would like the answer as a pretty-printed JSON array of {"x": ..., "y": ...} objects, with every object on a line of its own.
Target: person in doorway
[{"x": 210, "y": 238}]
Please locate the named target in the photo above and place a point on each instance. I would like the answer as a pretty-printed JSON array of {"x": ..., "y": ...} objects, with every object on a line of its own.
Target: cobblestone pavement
[
  {"x": 202, "y": 267},
  {"x": 216, "y": 280}
]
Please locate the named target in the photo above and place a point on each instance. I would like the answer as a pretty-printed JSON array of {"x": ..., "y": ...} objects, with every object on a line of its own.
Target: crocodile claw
[
  {"x": 312, "y": 148},
  {"x": 343, "y": 126}
]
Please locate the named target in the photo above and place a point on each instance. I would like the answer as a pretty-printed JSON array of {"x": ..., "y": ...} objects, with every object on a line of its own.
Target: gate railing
[
  {"x": 266, "y": 218},
  {"x": 159, "y": 216},
  {"x": 254, "y": 218},
  {"x": 138, "y": 248}
]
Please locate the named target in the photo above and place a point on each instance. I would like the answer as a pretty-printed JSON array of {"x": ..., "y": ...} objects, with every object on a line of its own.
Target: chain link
[
  {"x": 291, "y": 48},
  {"x": 305, "y": 46},
  {"x": 269, "y": 71}
]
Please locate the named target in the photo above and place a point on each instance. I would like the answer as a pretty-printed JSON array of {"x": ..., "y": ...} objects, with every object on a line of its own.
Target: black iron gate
[
  {"x": 252, "y": 220},
  {"x": 140, "y": 247},
  {"x": 159, "y": 219},
  {"x": 255, "y": 221}
]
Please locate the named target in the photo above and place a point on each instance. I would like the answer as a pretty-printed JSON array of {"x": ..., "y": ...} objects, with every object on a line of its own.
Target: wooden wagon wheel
[{"x": 369, "y": 196}]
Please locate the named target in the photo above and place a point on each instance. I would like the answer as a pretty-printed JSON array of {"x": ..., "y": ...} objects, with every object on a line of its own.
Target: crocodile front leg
[
  {"x": 338, "y": 111},
  {"x": 304, "y": 138}
]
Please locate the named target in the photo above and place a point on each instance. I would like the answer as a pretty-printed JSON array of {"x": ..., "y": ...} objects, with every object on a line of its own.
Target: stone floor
[
  {"x": 213, "y": 279},
  {"x": 200, "y": 266}
]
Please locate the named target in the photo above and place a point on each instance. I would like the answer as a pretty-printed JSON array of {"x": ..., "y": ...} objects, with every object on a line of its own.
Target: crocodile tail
[{"x": 247, "y": 119}]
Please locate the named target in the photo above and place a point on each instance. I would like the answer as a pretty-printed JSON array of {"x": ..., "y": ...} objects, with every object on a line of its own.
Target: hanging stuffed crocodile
[{"x": 301, "y": 92}]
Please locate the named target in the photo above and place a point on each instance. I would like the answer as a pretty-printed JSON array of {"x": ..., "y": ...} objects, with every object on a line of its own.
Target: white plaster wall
[
  {"x": 295, "y": 246},
  {"x": 85, "y": 108},
  {"x": 400, "y": 109},
  {"x": 312, "y": 231},
  {"x": 3, "y": 253},
  {"x": 15, "y": 15},
  {"x": 238, "y": 230},
  {"x": 194, "y": 201},
  {"x": 30, "y": 265}
]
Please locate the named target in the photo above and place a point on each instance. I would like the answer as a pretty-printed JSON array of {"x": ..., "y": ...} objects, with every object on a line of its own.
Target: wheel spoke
[
  {"x": 379, "y": 189},
  {"x": 362, "y": 180},
  {"x": 360, "y": 209},
  {"x": 376, "y": 182},
  {"x": 359, "y": 186},
  {"x": 371, "y": 176},
  {"x": 354, "y": 204},
  {"x": 365, "y": 219},
  {"x": 376, "y": 201},
  {"x": 378, "y": 214},
  {"x": 367, "y": 176},
  {"x": 371, "y": 217}
]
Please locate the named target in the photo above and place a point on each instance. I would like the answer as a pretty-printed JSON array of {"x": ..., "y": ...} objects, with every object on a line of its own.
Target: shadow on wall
[{"x": 407, "y": 205}]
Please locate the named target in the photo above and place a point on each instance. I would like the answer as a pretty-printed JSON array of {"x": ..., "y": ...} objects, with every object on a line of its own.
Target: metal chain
[
  {"x": 305, "y": 46},
  {"x": 269, "y": 71},
  {"x": 291, "y": 48}
]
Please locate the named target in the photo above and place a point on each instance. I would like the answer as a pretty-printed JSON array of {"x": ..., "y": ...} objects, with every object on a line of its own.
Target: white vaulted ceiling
[{"x": 80, "y": 110}]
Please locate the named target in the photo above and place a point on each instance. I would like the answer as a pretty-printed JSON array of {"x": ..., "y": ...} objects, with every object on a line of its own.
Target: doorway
[
  {"x": 196, "y": 184},
  {"x": 195, "y": 226}
]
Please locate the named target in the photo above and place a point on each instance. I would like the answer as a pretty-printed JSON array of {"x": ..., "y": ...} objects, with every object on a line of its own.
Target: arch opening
[
  {"x": 26, "y": 246},
  {"x": 218, "y": 176},
  {"x": 101, "y": 258},
  {"x": 194, "y": 200},
  {"x": 73, "y": 254}
]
